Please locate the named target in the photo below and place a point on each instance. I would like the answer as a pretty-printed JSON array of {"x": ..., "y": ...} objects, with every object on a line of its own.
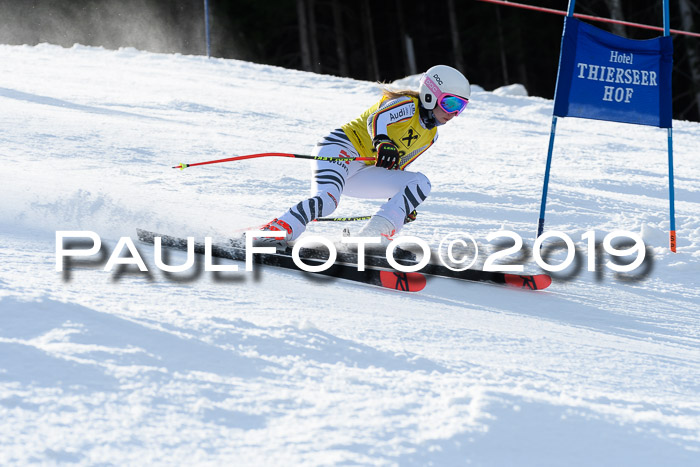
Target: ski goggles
[{"x": 451, "y": 103}]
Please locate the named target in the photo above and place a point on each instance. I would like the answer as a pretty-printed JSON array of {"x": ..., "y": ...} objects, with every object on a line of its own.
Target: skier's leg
[
  {"x": 327, "y": 184},
  {"x": 406, "y": 191}
]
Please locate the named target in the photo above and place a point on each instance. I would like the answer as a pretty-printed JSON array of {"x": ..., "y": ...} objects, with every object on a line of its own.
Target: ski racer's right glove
[
  {"x": 410, "y": 217},
  {"x": 387, "y": 152}
]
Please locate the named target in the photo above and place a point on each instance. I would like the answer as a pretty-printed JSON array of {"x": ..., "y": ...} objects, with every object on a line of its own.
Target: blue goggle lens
[{"x": 453, "y": 104}]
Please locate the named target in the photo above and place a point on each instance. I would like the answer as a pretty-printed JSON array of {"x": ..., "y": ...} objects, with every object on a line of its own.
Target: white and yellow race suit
[{"x": 400, "y": 120}]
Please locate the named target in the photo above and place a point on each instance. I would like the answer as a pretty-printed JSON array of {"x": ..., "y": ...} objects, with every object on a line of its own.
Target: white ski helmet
[{"x": 439, "y": 80}]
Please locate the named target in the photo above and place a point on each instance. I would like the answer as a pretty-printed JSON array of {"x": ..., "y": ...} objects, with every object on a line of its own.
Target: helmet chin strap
[{"x": 427, "y": 117}]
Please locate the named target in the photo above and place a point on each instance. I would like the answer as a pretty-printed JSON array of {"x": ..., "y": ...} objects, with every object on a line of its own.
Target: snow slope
[{"x": 277, "y": 367}]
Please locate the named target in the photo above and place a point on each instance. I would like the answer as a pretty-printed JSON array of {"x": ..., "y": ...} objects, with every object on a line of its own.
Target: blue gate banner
[{"x": 607, "y": 77}]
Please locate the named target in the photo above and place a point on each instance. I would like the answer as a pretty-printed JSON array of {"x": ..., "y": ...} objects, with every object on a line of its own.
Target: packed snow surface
[{"x": 276, "y": 367}]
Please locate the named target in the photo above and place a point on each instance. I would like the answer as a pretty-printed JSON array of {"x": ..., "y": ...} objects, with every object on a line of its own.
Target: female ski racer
[{"x": 395, "y": 130}]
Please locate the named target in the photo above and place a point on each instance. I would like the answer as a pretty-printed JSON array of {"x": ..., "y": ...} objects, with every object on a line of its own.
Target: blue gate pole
[
  {"x": 671, "y": 195},
  {"x": 545, "y": 187},
  {"x": 543, "y": 204},
  {"x": 671, "y": 190},
  {"x": 206, "y": 27}
]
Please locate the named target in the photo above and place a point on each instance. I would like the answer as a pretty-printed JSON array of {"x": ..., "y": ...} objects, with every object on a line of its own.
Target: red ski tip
[
  {"x": 536, "y": 282},
  {"x": 406, "y": 281}
]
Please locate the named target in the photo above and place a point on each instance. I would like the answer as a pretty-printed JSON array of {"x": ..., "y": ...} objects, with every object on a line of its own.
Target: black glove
[
  {"x": 387, "y": 152},
  {"x": 410, "y": 217}
]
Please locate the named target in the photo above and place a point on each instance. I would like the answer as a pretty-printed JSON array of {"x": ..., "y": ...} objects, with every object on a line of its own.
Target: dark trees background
[{"x": 364, "y": 39}]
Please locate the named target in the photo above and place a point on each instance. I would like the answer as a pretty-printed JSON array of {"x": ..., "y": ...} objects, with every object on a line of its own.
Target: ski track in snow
[{"x": 278, "y": 367}]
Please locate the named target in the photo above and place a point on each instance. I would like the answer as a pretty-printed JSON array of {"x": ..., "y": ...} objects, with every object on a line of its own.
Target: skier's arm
[{"x": 389, "y": 113}]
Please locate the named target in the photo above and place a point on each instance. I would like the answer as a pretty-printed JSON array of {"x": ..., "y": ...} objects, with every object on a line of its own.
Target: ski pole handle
[
  {"x": 183, "y": 166},
  {"x": 343, "y": 219}
]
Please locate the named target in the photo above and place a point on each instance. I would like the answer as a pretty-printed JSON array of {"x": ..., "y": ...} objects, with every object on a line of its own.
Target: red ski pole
[{"x": 183, "y": 166}]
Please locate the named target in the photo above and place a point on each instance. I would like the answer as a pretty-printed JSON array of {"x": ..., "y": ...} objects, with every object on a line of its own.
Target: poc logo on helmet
[{"x": 437, "y": 78}]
